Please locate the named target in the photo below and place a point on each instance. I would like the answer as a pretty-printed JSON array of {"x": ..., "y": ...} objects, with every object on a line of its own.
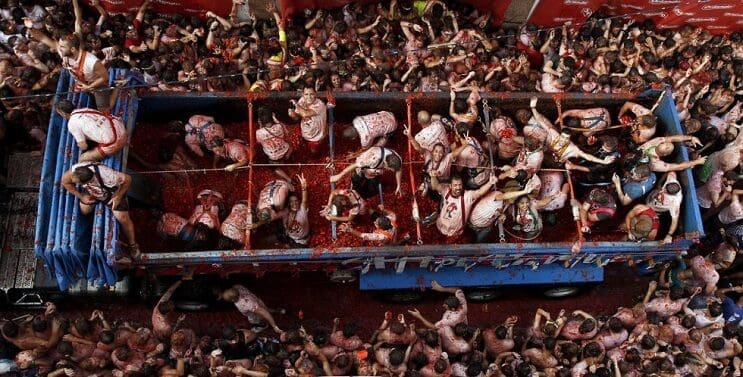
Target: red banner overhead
[
  {"x": 550, "y": 13},
  {"x": 719, "y": 16}
]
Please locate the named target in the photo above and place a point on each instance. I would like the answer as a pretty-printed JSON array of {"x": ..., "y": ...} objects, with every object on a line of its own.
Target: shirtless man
[
  {"x": 368, "y": 167},
  {"x": 202, "y": 131},
  {"x": 23, "y": 338},
  {"x": 163, "y": 315},
  {"x": 346, "y": 337},
  {"x": 614, "y": 335},
  {"x": 344, "y": 205},
  {"x": 233, "y": 228},
  {"x": 249, "y": 305},
  {"x": 372, "y": 129},
  {"x": 591, "y": 120},
  {"x": 559, "y": 143},
  {"x": 456, "y": 204},
  {"x": 313, "y": 114},
  {"x": 499, "y": 339},
  {"x": 666, "y": 305},
  {"x": 703, "y": 272},
  {"x": 668, "y": 198},
  {"x": 642, "y": 121},
  {"x": 385, "y": 228},
  {"x": 234, "y": 150},
  {"x": 102, "y": 184},
  {"x": 208, "y": 209},
  {"x": 105, "y": 130},
  {"x": 273, "y": 138},
  {"x": 392, "y": 360},
  {"x": 429, "y": 344},
  {"x": 580, "y": 326},
  {"x": 657, "y": 148},
  {"x": 272, "y": 202}
]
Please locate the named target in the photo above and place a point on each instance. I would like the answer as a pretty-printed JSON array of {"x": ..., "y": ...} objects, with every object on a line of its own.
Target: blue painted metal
[
  {"x": 478, "y": 276},
  {"x": 65, "y": 239}
]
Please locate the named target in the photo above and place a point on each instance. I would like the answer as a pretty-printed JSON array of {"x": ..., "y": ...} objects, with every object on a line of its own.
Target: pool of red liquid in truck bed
[{"x": 179, "y": 193}]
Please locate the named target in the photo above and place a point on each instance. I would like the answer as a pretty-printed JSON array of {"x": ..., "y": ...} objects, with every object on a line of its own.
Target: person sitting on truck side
[
  {"x": 249, "y": 305},
  {"x": 105, "y": 130},
  {"x": 103, "y": 184},
  {"x": 369, "y": 167},
  {"x": 385, "y": 228}
]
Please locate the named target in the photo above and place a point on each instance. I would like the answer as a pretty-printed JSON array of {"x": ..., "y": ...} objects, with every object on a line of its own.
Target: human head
[
  {"x": 588, "y": 325},
  {"x": 664, "y": 149},
  {"x": 107, "y": 337},
  {"x": 672, "y": 188},
  {"x": 456, "y": 186},
  {"x": 10, "y": 329},
  {"x": 424, "y": 118},
  {"x": 397, "y": 356},
  {"x": 397, "y": 328},
  {"x": 68, "y": 46},
  {"x": 615, "y": 325},
  {"x": 39, "y": 324},
  {"x": 383, "y": 222},
  {"x": 166, "y": 307},
  {"x": 438, "y": 153},
  {"x": 393, "y": 161},
  {"x": 82, "y": 326},
  {"x": 501, "y": 332},
  {"x": 309, "y": 95},
  {"x": 81, "y": 174},
  {"x": 230, "y": 295},
  {"x": 592, "y": 349},
  {"x": 349, "y": 330},
  {"x": 294, "y": 202},
  {"x": 350, "y": 133},
  {"x": 65, "y": 348},
  {"x": 265, "y": 116},
  {"x": 431, "y": 338},
  {"x": 65, "y": 108},
  {"x": 461, "y": 329},
  {"x": 717, "y": 343}
]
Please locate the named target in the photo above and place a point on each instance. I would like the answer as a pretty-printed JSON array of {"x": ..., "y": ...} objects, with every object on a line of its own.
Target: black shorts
[{"x": 122, "y": 207}]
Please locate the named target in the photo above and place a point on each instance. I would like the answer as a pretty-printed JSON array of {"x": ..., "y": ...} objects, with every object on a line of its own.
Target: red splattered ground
[{"x": 321, "y": 300}]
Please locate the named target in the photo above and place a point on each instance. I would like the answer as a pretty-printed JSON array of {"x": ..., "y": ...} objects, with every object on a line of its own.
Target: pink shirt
[
  {"x": 372, "y": 126},
  {"x": 273, "y": 140},
  {"x": 713, "y": 184}
]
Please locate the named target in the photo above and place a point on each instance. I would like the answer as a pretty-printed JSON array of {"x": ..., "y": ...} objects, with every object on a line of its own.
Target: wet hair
[
  {"x": 10, "y": 329},
  {"x": 397, "y": 328},
  {"x": 523, "y": 369},
  {"x": 474, "y": 369},
  {"x": 39, "y": 324},
  {"x": 397, "y": 356},
  {"x": 452, "y": 302},
  {"x": 342, "y": 360},
  {"x": 715, "y": 309},
  {"x": 501, "y": 332},
  {"x": 461, "y": 329},
  {"x": 83, "y": 174},
  {"x": 65, "y": 348},
  {"x": 647, "y": 342},
  {"x": 265, "y": 116},
  {"x": 688, "y": 321},
  {"x": 166, "y": 307},
  {"x": 82, "y": 326},
  {"x": 632, "y": 355},
  {"x": 549, "y": 329},
  {"x": 673, "y": 188},
  {"x": 550, "y": 342},
  {"x": 320, "y": 337},
  {"x": 122, "y": 353},
  {"x": 431, "y": 338},
  {"x": 107, "y": 337},
  {"x": 592, "y": 349},
  {"x": 440, "y": 365},
  {"x": 65, "y": 106},
  {"x": 394, "y": 161},
  {"x": 676, "y": 292},
  {"x": 349, "y": 329},
  {"x": 615, "y": 325},
  {"x": 716, "y": 343}
]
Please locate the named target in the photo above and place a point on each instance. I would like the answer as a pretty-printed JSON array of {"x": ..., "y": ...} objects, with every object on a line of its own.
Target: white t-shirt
[
  {"x": 372, "y": 126},
  {"x": 235, "y": 225},
  {"x": 454, "y": 215},
  {"x": 486, "y": 211},
  {"x": 90, "y": 124},
  {"x": 297, "y": 225},
  {"x": 109, "y": 178},
  {"x": 731, "y": 213},
  {"x": 433, "y": 134},
  {"x": 315, "y": 128},
  {"x": 273, "y": 141}
]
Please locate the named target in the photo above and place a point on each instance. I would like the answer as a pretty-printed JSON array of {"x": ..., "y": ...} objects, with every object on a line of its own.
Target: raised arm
[{"x": 438, "y": 288}]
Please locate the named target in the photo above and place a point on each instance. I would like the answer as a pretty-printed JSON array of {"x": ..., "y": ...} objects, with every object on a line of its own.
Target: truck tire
[
  {"x": 561, "y": 292},
  {"x": 482, "y": 294},
  {"x": 343, "y": 276}
]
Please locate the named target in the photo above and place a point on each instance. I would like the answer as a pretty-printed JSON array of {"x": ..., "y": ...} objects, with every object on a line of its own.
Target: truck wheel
[
  {"x": 482, "y": 294},
  {"x": 191, "y": 306},
  {"x": 401, "y": 297},
  {"x": 341, "y": 276},
  {"x": 561, "y": 292}
]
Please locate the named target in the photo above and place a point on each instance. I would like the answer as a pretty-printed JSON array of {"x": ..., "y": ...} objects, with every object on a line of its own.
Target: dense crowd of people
[{"x": 688, "y": 324}]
